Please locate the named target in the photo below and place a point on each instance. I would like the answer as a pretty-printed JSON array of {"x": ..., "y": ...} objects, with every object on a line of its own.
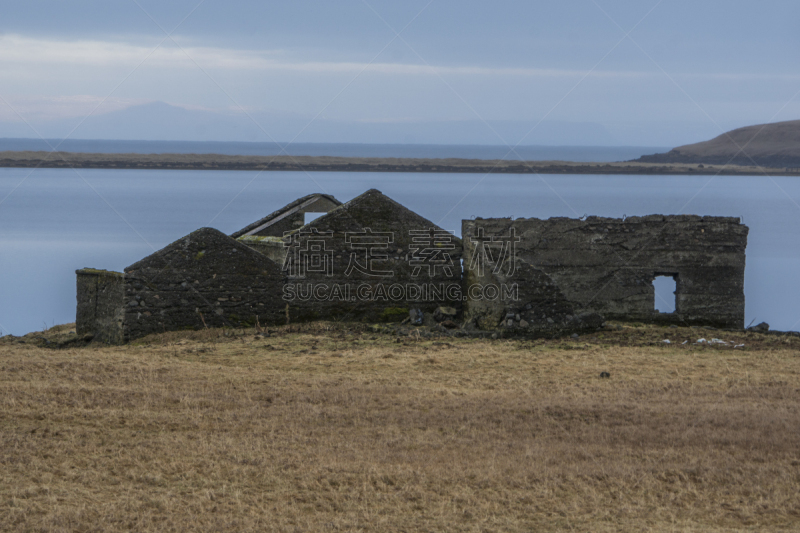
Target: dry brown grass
[{"x": 338, "y": 431}]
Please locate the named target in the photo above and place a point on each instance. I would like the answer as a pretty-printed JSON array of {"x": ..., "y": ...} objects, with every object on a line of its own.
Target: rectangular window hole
[
  {"x": 665, "y": 286},
  {"x": 308, "y": 217}
]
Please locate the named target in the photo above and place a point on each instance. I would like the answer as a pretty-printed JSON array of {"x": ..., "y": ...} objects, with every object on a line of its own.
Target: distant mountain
[
  {"x": 768, "y": 145},
  {"x": 165, "y": 122}
]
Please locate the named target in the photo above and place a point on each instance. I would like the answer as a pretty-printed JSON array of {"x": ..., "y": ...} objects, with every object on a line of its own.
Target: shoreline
[{"x": 10, "y": 159}]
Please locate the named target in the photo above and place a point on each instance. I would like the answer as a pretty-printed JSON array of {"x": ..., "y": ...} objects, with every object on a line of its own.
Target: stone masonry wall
[
  {"x": 288, "y": 218},
  {"x": 371, "y": 259},
  {"x": 608, "y": 265},
  {"x": 100, "y": 311},
  {"x": 205, "y": 279},
  {"x": 272, "y": 247},
  {"x": 297, "y": 219}
]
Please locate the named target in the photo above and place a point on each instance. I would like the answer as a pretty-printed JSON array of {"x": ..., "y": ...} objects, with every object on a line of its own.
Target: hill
[
  {"x": 166, "y": 122},
  {"x": 769, "y": 145}
]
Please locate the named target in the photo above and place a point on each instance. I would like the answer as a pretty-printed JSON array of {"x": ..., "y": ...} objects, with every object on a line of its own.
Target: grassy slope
[
  {"x": 762, "y": 140},
  {"x": 769, "y": 145},
  {"x": 338, "y": 430}
]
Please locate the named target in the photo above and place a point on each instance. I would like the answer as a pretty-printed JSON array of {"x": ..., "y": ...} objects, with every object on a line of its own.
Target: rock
[
  {"x": 588, "y": 320},
  {"x": 574, "y": 336},
  {"x": 444, "y": 313},
  {"x": 415, "y": 316},
  {"x": 510, "y": 323},
  {"x": 133, "y": 303},
  {"x": 760, "y": 328},
  {"x": 550, "y": 321},
  {"x": 523, "y": 324}
]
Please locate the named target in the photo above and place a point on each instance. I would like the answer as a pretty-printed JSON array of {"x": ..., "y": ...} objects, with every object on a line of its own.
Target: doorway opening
[{"x": 664, "y": 286}]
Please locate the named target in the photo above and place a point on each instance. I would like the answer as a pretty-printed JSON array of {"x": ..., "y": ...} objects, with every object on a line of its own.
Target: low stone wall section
[{"x": 100, "y": 309}]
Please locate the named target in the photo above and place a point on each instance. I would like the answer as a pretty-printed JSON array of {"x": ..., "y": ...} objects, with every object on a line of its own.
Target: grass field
[{"x": 326, "y": 428}]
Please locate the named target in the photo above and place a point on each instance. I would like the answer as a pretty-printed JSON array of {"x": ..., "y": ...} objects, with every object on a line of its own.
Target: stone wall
[
  {"x": 371, "y": 259},
  {"x": 289, "y": 217},
  {"x": 272, "y": 247},
  {"x": 608, "y": 265},
  {"x": 205, "y": 279},
  {"x": 100, "y": 312}
]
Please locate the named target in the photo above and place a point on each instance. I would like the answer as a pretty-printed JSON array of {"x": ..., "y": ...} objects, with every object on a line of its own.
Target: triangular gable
[
  {"x": 207, "y": 252},
  {"x": 298, "y": 207},
  {"x": 379, "y": 213}
]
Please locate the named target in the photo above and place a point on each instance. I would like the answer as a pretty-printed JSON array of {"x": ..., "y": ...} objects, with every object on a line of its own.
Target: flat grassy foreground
[{"x": 326, "y": 428}]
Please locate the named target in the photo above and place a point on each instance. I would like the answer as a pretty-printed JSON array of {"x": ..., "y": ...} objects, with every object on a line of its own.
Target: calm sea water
[{"x": 54, "y": 221}]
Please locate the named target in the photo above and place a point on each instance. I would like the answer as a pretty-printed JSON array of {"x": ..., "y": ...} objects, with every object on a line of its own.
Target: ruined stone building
[
  {"x": 205, "y": 279},
  {"x": 608, "y": 265},
  {"x": 266, "y": 235},
  {"x": 372, "y": 259},
  {"x": 368, "y": 259}
]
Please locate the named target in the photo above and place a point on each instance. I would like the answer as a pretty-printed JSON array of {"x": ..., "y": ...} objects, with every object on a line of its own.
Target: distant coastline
[
  {"x": 42, "y": 159},
  {"x": 774, "y": 145},
  {"x": 577, "y": 153}
]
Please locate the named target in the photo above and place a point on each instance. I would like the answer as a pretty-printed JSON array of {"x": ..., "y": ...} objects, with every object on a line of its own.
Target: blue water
[
  {"x": 59, "y": 220},
  {"x": 601, "y": 154}
]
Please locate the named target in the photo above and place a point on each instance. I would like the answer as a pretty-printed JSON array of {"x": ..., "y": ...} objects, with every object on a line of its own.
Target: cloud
[
  {"x": 18, "y": 50},
  {"x": 21, "y": 50},
  {"x": 29, "y": 51}
]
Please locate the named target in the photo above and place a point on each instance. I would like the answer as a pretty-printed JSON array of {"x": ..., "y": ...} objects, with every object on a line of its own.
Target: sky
[{"x": 606, "y": 72}]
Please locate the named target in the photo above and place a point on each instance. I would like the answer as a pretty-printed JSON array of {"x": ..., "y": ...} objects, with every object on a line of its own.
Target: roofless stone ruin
[{"x": 373, "y": 260}]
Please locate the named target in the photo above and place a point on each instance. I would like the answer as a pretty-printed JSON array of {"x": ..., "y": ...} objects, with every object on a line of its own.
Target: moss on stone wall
[
  {"x": 394, "y": 314},
  {"x": 255, "y": 238},
  {"x": 99, "y": 272}
]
